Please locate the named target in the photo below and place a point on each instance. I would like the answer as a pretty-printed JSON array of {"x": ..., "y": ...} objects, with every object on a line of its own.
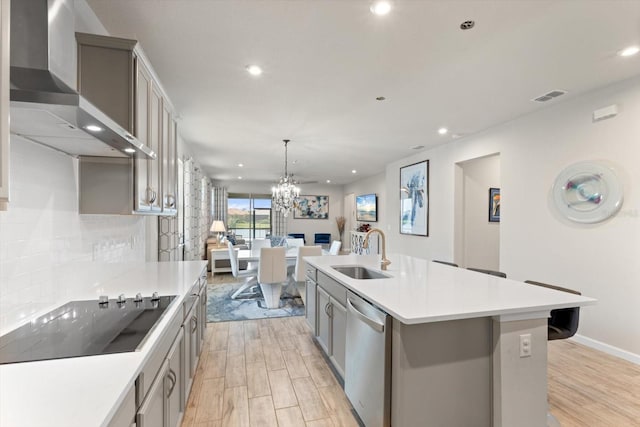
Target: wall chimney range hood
[{"x": 44, "y": 107}]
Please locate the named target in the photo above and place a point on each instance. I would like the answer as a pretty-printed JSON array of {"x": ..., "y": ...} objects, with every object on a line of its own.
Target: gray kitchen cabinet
[
  {"x": 311, "y": 304},
  {"x": 143, "y": 193},
  {"x": 115, "y": 76},
  {"x": 152, "y": 412},
  {"x": 162, "y": 406},
  {"x": 155, "y": 133},
  {"x": 5, "y": 6},
  {"x": 324, "y": 320},
  {"x": 331, "y": 320},
  {"x": 202, "y": 317},
  {"x": 338, "y": 335},
  {"x": 168, "y": 164},
  {"x": 192, "y": 339},
  {"x": 175, "y": 407}
]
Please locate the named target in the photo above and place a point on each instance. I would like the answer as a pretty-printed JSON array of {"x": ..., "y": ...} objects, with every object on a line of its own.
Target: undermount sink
[{"x": 359, "y": 273}]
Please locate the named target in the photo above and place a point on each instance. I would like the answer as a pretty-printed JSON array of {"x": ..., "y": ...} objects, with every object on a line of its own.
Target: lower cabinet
[
  {"x": 324, "y": 320},
  {"x": 310, "y": 304},
  {"x": 152, "y": 411},
  {"x": 162, "y": 406},
  {"x": 338, "y": 335},
  {"x": 175, "y": 406},
  {"x": 332, "y": 327}
]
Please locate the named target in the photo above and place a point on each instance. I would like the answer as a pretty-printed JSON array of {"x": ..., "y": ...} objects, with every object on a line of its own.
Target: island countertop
[
  {"x": 86, "y": 391},
  {"x": 422, "y": 291}
]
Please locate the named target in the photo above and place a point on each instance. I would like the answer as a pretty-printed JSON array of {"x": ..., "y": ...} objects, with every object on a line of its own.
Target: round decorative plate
[{"x": 588, "y": 192}]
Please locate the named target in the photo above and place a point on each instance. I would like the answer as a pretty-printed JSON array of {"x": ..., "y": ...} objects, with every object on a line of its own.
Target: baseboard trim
[{"x": 606, "y": 348}]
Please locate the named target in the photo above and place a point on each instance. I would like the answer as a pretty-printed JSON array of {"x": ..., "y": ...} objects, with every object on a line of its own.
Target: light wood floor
[
  {"x": 265, "y": 373},
  {"x": 588, "y": 388}
]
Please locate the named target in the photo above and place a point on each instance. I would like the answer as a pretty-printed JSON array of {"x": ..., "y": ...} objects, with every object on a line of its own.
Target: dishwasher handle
[{"x": 376, "y": 326}]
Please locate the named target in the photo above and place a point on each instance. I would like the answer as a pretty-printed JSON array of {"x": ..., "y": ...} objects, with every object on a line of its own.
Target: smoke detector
[{"x": 467, "y": 25}]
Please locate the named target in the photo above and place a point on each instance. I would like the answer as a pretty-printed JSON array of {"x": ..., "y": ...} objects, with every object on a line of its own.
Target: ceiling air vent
[{"x": 549, "y": 96}]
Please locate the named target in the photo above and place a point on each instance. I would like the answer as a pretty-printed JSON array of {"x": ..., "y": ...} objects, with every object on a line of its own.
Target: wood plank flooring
[
  {"x": 266, "y": 373},
  {"x": 589, "y": 388}
]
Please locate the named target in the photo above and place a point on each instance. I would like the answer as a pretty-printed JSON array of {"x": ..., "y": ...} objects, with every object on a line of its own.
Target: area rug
[{"x": 221, "y": 308}]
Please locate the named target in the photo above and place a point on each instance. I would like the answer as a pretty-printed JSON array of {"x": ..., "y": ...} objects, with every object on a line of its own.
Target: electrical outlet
[{"x": 525, "y": 345}]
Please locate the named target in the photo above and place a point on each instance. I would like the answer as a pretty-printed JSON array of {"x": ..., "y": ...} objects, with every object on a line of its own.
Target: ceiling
[{"x": 326, "y": 61}]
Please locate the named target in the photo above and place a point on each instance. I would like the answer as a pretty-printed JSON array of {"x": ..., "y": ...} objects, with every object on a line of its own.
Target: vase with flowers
[{"x": 340, "y": 222}]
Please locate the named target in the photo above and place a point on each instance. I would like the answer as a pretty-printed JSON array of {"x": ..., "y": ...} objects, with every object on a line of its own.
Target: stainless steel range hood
[{"x": 44, "y": 108}]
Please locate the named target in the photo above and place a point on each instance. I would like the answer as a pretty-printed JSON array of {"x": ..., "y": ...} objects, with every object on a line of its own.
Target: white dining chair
[
  {"x": 249, "y": 275},
  {"x": 335, "y": 247},
  {"x": 301, "y": 265},
  {"x": 272, "y": 272},
  {"x": 294, "y": 242},
  {"x": 260, "y": 243}
]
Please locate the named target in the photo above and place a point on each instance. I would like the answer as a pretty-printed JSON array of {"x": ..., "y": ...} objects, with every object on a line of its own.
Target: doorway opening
[{"x": 476, "y": 208}]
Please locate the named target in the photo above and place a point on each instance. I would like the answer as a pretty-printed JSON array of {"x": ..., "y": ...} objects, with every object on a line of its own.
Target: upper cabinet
[
  {"x": 4, "y": 103},
  {"x": 140, "y": 106}
]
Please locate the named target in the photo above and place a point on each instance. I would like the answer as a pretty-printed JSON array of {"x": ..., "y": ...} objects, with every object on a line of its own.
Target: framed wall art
[
  {"x": 414, "y": 199},
  {"x": 312, "y": 207},
  {"x": 494, "y": 205}
]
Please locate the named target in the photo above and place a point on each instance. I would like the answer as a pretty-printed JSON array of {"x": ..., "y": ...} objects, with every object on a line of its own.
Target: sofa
[{"x": 212, "y": 243}]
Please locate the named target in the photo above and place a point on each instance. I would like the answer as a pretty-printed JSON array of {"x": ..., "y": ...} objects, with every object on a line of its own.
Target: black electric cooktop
[{"x": 84, "y": 328}]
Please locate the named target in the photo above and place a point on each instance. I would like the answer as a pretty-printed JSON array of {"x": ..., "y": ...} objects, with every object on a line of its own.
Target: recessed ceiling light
[
  {"x": 380, "y": 8},
  {"x": 328, "y": 181},
  {"x": 629, "y": 51},
  {"x": 443, "y": 131},
  {"x": 239, "y": 177},
  {"x": 93, "y": 128},
  {"x": 254, "y": 70},
  {"x": 240, "y": 165},
  {"x": 354, "y": 171},
  {"x": 129, "y": 150}
]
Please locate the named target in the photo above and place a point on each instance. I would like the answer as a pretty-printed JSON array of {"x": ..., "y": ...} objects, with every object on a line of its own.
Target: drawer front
[
  {"x": 190, "y": 298},
  {"x": 311, "y": 272},
  {"x": 148, "y": 373},
  {"x": 333, "y": 288}
]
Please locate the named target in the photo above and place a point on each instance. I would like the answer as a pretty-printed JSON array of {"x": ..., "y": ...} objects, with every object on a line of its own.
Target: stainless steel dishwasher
[{"x": 367, "y": 381}]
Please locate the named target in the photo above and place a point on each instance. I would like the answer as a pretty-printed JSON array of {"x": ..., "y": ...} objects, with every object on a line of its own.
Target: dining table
[{"x": 253, "y": 255}]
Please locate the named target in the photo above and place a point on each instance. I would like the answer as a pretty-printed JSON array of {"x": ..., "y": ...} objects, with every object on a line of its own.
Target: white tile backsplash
[{"x": 47, "y": 250}]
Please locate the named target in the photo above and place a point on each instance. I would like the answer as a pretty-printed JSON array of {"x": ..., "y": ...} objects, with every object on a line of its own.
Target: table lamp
[{"x": 218, "y": 227}]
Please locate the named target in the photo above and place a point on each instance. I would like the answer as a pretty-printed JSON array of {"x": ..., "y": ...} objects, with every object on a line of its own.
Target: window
[{"x": 249, "y": 215}]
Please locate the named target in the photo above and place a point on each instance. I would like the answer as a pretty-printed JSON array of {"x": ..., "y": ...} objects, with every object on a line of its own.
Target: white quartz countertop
[
  {"x": 421, "y": 291},
  {"x": 86, "y": 391}
]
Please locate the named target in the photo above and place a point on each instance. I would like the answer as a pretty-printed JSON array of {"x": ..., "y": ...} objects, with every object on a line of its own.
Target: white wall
[
  {"x": 600, "y": 260},
  {"x": 48, "y": 250},
  {"x": 374, "y": 184},
  {"x": 307, "y": 226},
  {"x": 481, "y": 238}
]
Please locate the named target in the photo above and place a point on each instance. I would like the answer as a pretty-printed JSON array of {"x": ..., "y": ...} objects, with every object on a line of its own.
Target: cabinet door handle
[
  {"x": 326, "y": 309},
  {"x": 171, "y": 375},
  {"x": 194, "y": 321}
]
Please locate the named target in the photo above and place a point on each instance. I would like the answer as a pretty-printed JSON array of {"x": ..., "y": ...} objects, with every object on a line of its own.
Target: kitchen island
[
  {"x": 456, "y": 341},
  {"x": 88, "y": 391}
]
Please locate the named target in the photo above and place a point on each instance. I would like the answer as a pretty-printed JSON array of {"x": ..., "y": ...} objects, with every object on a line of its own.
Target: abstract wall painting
[
  {"x": 312, "y": 207},
  {"x": 414, "y": 199},
  {"x": 494, "y": 205}
]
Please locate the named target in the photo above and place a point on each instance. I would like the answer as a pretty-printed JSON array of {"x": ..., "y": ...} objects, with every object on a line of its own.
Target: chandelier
[{"x": 285, "y": 194}]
